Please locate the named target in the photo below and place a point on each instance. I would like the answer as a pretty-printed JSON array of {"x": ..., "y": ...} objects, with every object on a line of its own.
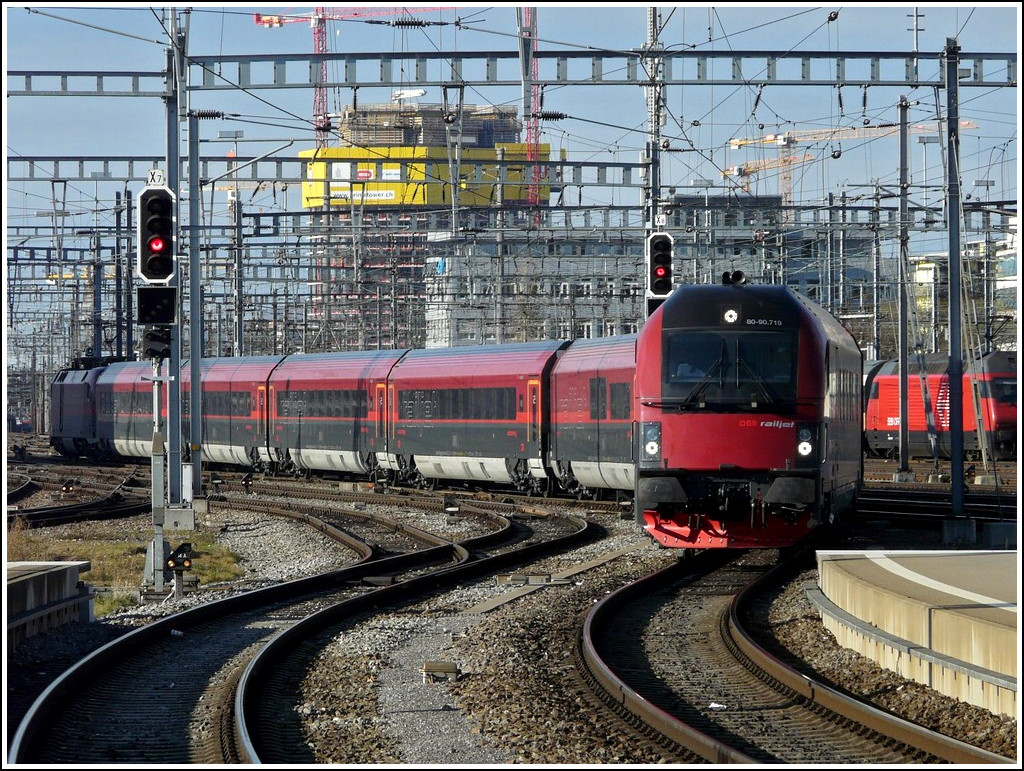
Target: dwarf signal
[{"x": 180, "y": 559}]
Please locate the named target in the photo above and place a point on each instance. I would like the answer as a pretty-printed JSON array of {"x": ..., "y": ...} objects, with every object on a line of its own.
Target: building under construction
[{"x": 422, "y": 208}]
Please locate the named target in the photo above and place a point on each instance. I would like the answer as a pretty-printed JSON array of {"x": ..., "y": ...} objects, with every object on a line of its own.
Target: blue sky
[{"x": 606, "y": 123}]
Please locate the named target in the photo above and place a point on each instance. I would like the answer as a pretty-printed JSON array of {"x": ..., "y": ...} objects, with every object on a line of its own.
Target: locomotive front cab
[
  {"x": 729, "y": 444},
  {"x": 997, "y": 391}
]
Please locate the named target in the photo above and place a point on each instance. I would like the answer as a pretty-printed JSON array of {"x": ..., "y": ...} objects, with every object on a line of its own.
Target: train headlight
[
  {"x": 806, "y": 442},
  {"x": 651, "y": 437}
]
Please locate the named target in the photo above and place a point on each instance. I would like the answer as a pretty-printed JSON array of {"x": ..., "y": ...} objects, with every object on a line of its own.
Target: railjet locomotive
[
  {"x": 749, "y": 453},
  {"x": 747, "y": 415}
]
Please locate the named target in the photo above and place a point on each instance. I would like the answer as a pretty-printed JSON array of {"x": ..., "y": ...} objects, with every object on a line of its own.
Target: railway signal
[
  {"x": 658, "y": 258},
  {"x": 157, "y": 304},
  {"x": 659, "y": 263},
  {"x": 156, "y": 342},
  {"x": 180, "y": 559},
  {"x": 157, "y": 235}
]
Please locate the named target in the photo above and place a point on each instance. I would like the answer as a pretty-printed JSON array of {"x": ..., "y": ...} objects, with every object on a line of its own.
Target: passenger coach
[{"x": 474, "y": 413}]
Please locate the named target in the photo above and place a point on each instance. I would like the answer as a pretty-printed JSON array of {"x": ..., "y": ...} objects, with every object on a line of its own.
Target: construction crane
[
  {"x": 318, "y": 21},
  {"x": 788, "y": 139},
  {"x": 749, "y": 169},
  {"x": 531, "y": 99}
]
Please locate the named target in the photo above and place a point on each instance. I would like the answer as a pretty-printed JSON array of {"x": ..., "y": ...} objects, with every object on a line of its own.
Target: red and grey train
[
  {"x": 753, "y": 451},
  {"x": 989, "y": 404},
  {"x": 748, "y": 417}
]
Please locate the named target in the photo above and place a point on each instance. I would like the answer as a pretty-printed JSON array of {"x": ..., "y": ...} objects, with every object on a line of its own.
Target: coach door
[
  {"x": 533, "y": 411},
  {"x": 273, "y": 429},
  {"x": 378, "y": 441},
  {"x": 261, "y": 421}
]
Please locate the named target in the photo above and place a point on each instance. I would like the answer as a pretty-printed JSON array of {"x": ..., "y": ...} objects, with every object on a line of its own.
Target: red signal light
[
  {"x": 156, "y": 235},
  {"x": 659, "y": 263}
]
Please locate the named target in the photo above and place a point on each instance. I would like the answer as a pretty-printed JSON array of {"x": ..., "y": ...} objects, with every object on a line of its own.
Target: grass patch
[{"x": 116, "y": 552}]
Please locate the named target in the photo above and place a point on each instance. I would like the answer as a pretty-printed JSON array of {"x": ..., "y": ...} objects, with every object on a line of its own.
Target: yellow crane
[
  {"x": 748, "y": 169},
  {"x": 786, "y": 140}
]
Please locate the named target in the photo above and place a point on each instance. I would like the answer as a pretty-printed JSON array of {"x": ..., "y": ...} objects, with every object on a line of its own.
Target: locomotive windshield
[
  {"x": 1002, "y": 389},
  {"x": 715, "y": 369}
]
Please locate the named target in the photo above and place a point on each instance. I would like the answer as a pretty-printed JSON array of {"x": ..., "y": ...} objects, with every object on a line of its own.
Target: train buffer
[{"x": 434, "y": 671}]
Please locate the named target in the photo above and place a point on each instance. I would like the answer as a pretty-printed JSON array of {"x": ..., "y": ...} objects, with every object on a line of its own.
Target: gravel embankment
[{"x": 514, "y": 700}]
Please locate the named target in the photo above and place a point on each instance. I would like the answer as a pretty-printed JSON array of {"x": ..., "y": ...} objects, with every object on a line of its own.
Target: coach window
[
  {"x": 619, "y": 401},
  {"x": 598, "y": 406}
]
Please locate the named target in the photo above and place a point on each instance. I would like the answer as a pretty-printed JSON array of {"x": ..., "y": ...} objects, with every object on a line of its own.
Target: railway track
[
  {"x": 181, "y": 676},
  {"x": 895, "y": 504},
  {"x": 390, "y": 540},
  {"x": 880, "y": 472},
  {"x": 699, "y": 678},
  {"x": 113, "y": 506}
]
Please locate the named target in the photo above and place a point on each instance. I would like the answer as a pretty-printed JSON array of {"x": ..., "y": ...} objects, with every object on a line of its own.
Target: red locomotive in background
[
  {"x": 751, "y": 452},
  {"x": 989, "y": 407}
]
